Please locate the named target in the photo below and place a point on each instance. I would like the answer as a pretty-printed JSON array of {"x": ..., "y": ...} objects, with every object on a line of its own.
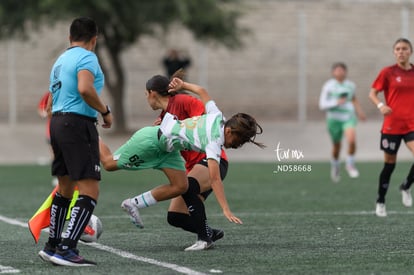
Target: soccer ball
[{"x": 93, "y": 230}]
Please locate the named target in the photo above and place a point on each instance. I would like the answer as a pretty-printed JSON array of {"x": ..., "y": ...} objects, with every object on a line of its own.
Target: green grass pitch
[{"x": 294, "y": 223}]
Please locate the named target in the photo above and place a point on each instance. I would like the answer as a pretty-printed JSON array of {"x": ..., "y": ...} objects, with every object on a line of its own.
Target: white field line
[
  {"x": 273, "y": 214},
  {"x": 8, "y": 270},
  {"x": 121, "y": 253}
]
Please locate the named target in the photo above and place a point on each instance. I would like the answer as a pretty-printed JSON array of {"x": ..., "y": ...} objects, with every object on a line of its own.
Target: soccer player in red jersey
[
  {"x": 185, "y": 106},
  {"x": 397, "y": 84}
]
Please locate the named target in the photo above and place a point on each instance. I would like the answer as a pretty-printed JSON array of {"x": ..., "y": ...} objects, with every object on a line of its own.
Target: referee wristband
[{"x": 379, "y": 105}]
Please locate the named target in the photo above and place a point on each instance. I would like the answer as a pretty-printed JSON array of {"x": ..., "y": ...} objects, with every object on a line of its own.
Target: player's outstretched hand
[{"x": 232, "y": 218}]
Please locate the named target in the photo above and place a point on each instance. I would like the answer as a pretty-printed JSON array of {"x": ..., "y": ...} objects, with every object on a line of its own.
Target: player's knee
[
  {"x": 179, "y": 189},
  {"x": 193, "y": 186},
  {"x": 172, "y": 219}
]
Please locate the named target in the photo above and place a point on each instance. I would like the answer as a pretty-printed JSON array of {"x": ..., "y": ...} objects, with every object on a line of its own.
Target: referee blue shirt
[{"x": 64, "y": 81}]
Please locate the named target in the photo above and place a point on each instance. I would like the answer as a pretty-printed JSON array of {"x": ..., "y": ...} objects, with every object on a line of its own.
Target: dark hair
[
  {"x": 83, "y": 29},
  {"x": 340, "y": 65},
  {"x": 245, "y": 127},
  {"x": 403, "y": 40},
  {"x": 159, "y": 83}
]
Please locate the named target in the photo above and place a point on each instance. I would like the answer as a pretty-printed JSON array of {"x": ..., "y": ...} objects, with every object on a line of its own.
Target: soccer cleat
[
  {"x": 70, "y": 257},
  {"x": 352, "y": 171},
  {"x": 47, "y": 252},
  {"x": 335, "y": 173},
  {"x": 200, "y": 245},
  {"x": 380, "y": 210},
  {"x": 133, "y": 213},
  {"x": 217, "y": 234},
  {"x": 407, "y": 200}
]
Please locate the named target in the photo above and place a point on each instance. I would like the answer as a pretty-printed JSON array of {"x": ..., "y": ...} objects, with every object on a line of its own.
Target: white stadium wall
[{"x": 261, "y": 79}]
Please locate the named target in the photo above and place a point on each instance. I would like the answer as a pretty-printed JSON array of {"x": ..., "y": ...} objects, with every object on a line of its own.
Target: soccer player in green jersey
[
  {"x": 159, "y": 146},
  {"x": 342, "y": 108}
]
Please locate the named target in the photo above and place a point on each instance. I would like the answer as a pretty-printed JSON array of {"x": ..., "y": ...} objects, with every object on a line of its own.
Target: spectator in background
[
  {"x": 342, "y": 108},
  {"x": 173, "y": 61}
]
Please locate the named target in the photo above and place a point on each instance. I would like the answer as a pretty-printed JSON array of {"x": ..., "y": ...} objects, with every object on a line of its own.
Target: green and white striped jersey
[
  {"x": 333, "y": 90},
  {"x": 201, "y": 133}
]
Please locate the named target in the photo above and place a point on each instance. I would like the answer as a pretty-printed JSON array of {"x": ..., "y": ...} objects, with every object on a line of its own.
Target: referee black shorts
[
  {"x": 224, "y": 165},
  {"x": 75, "y": 143}
]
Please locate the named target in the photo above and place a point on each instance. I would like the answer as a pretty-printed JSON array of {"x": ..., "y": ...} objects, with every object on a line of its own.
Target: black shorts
[
  {"x": 391, "y": 143},
  {"x": 224, "y": 165},
  {"x": 75, "y": 143}
]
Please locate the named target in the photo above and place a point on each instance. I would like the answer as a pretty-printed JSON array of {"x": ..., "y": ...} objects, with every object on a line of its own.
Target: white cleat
[
  {"x": 133, "y": 213},
  {"x": 352, "y": 171},
  {"x": 335, "y": 174},
  {"x": 380, "y": 210},
  {"x": 407, "y": 200},
  {"x": 200, "y": 245}
]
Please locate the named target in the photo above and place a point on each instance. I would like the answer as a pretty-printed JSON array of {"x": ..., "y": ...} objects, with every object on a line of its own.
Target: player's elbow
[
  {"x": 83, "y": 91},
  {"x": 322, "y": 106},
  {"x": 372, "y": 94},
  {"x": 109, "y": 164}
]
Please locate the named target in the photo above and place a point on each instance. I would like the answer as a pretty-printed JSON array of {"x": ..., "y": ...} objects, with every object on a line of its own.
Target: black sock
[
  {"x": 384, "y": 181},
  {"x": 58, "y": 212},
  {"x": 182, "y": 220},
  {"x": 79, "y": 218},
  {"x": 410, "y": 179},
  {"x": 197, "y": 210}
]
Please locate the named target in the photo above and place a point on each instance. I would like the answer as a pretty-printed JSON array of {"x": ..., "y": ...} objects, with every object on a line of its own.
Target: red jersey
[
  {"x": 398, "y": 87},
  {"x": 184, "y": 106}
]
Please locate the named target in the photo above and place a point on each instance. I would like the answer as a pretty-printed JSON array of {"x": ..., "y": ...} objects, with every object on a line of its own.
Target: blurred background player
[
  {"x": 185, "y": 106},
  {"x": 397, "y": 83},
  {"x": 174, "y": 61},
  {"x": 339, "y": 101},
  {"x": 44, "y": 110}
]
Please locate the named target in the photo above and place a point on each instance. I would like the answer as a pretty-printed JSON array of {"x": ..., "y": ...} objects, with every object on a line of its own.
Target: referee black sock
[
  {"x": 79, "y": 218},
  {"x": 410, "y": 179},
  {"x": 384, "y": 181},
  {"x": 197, "y": 210},
  {"x": 58, "y": 212}
]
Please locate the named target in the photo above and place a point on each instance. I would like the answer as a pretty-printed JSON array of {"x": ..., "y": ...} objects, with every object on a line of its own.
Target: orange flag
[{"x": 41, "y": 218}]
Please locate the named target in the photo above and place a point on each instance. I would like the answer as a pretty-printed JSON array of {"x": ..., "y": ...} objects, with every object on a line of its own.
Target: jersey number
[{"x": 135, "y": 160}]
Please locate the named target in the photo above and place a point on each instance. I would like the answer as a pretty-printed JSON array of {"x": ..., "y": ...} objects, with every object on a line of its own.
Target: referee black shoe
[{"x": 70, "y": 257}]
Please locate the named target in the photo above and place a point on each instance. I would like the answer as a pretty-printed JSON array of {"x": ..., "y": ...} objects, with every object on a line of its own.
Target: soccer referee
[{"x": 76, "y": 81}]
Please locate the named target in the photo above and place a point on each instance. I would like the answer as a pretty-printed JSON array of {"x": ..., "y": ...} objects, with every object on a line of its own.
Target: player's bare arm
[
  {"x": 361, "y": 115},
  {"x": 384, "y": 109},
  {"x": 178, "y": 84},
  {"x": 87, "y": 91},
  {"x": 218, "y": 189}
]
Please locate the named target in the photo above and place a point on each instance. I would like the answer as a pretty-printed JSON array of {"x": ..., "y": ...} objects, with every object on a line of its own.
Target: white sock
[
  {"x": 144, "y": 200},
  {"x": 350, "y": 160},
  {"x": 335, "y": 162}
]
